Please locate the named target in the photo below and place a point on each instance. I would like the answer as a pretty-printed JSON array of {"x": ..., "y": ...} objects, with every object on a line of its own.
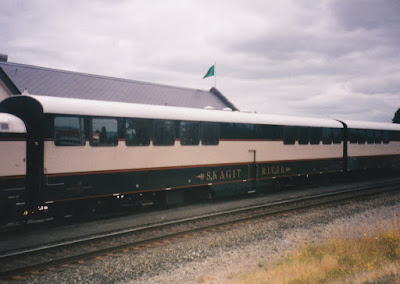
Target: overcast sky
[{"x": 337, "y": 59}]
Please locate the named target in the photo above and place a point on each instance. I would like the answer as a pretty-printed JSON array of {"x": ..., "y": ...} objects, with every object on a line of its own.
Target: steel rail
[{"x": 324, "y": 198}]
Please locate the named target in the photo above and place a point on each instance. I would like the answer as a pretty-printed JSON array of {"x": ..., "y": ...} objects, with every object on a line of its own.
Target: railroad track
[{"x": 75, "y": 250}]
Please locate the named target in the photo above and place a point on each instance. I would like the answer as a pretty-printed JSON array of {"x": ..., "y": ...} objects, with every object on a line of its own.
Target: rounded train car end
[{"x": 12, "y": 167}]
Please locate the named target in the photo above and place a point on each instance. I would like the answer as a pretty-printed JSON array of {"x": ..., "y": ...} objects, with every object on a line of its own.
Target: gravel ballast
[{"x": 224, "y": 255}]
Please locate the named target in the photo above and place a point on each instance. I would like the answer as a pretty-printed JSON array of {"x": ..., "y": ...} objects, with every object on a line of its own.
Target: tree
[{"x": 396, "y": 118}]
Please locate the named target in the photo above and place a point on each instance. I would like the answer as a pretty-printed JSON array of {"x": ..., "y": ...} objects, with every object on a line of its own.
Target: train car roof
[
  {"x": 116, "y": 109},
  {"x": 71, "y": 106},
  {"x": 11, "y": 124},
  {"x": 371, "y": 125}
]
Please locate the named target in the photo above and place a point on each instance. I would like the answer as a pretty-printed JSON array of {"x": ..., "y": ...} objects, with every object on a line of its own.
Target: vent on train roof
[
  {"x": 4, "y": 127},
  {"x": 3, "y": 57}
]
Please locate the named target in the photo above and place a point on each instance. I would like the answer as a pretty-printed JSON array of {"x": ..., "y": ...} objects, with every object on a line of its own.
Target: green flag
[{"x": 210, "y": 72}]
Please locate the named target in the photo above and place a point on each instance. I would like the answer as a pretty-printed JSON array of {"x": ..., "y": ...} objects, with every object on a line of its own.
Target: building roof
[{"x": 60, "y": 83}]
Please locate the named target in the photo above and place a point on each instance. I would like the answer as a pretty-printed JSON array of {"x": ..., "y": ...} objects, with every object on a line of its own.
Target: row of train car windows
[
  {"x": 362, "y": 136},
  {"x": 305, "y": 135},
  {"x": 312, "y": 135},
  {"x": 69, "y": 131},
  {"x": 289, "y": 134}
]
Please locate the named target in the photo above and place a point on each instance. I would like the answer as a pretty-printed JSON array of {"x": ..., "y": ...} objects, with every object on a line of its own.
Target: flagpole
[{"x": 215, "y": 75}]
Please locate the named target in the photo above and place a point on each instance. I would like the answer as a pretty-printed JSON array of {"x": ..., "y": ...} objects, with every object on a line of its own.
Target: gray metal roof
[{"x": 67, "y": 84}]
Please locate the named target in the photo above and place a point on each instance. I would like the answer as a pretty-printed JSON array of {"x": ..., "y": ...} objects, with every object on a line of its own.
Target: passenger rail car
[
  {"x": 87, "y": 155},
  {"x": 372, "y": 145},
  {"x": 12, "y": 166}
]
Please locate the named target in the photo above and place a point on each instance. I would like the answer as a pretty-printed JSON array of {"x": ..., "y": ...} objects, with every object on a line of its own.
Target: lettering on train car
[
  {"x": 220, "y": 175},
  {"x": 274, "y": 170}
]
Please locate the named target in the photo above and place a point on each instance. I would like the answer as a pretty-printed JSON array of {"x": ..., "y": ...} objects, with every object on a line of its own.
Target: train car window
[
  {"x": 353, "y": 136},
  {"x": 190, "y": 133},
  {"x": 277, "y": 132},
  {"x": 250, "y": 131},
  {"x": 315, "y": 135},
  {"x": 209, "y": 133},
  {"x": 239, "y": 131},
  {"x": 104, "y": 132},
  {"x": 266, "y": 131},
  {"x": 378, "y": 136},
  {"x": 392, "y": 136},
  {"x": 137, "y": 132},
  {"x": 258, "y": 132},
  {"x": 337, "y": 135},
  {"x": 289, "y": 135},
  {"x": 164, "y": 133},
  {"x": 228, "y": 131},
  {"x": 69, "y": 131},
  {"x": 327, "y": 135},
  {"x": 370, "y": 136},
  {"x": 362, "y": 136},
  {"x": 385, "y": 137},
  {"x": 303, "y": 135},
  {"x": 247, "y": 131},
  {"x": 395, "y": 136}
]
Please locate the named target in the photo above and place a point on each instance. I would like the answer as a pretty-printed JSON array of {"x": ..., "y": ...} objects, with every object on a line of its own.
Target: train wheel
[
  {"x": 4, "y": 216},
  {"x": 4, "y": 221},
  {"x": 59, "y": 212},
  {"x": 161, "y": 200},
  {"x": 83, "y": 210},
  {"x": 279, "y": 184},
  {"x": 309, "y": 180}
]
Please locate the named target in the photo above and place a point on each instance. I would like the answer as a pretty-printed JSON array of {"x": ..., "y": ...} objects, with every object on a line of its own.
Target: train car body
[
  {"x": 84, "y": 153},
  {"x": 84, "y": 149},
  {"x": 372, "y": 145},
  {"x": 12, "y": 165}
]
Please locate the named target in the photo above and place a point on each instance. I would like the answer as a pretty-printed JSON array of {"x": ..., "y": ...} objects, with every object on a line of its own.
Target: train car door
[{"x": 252, "y": 171}]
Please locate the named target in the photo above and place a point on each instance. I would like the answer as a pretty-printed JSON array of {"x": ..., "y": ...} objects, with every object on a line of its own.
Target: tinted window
[
  {"x": 190, "y": 133},
  {"x": 315, "y": 135},
  {"x": 290, "y": 135},
  {"x": 362, "y": 136},
  {"x": 272, "y": 131},
  {"x": 104, "y": 132},
  {"x": 358, "y": 136},
  {"x": 395, "y": 136},
  {"x": 209, "y": 133},
  {"x": 337, "y": 134},
  {"x": 137, "y": 132},
  {"x": 250, "y": 131},
  {"x": 327, "y": 135},
  {"x": 371, "y": 136},
  {"x": 378, "y": 136},
  {"x": 386, "y": 137},
  {"x": 164, "y": 133},
  {"x": 353, "y": 136},
  {"x": 303, "y": 135},
  {"x": 69, "y": 131}
]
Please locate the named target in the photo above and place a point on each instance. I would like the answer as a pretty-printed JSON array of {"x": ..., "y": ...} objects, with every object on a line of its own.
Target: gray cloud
[
  {"x": 387, "y": 85},
  {"x": 367, "y": 14},
  {"x": 310, "y": 58}
]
